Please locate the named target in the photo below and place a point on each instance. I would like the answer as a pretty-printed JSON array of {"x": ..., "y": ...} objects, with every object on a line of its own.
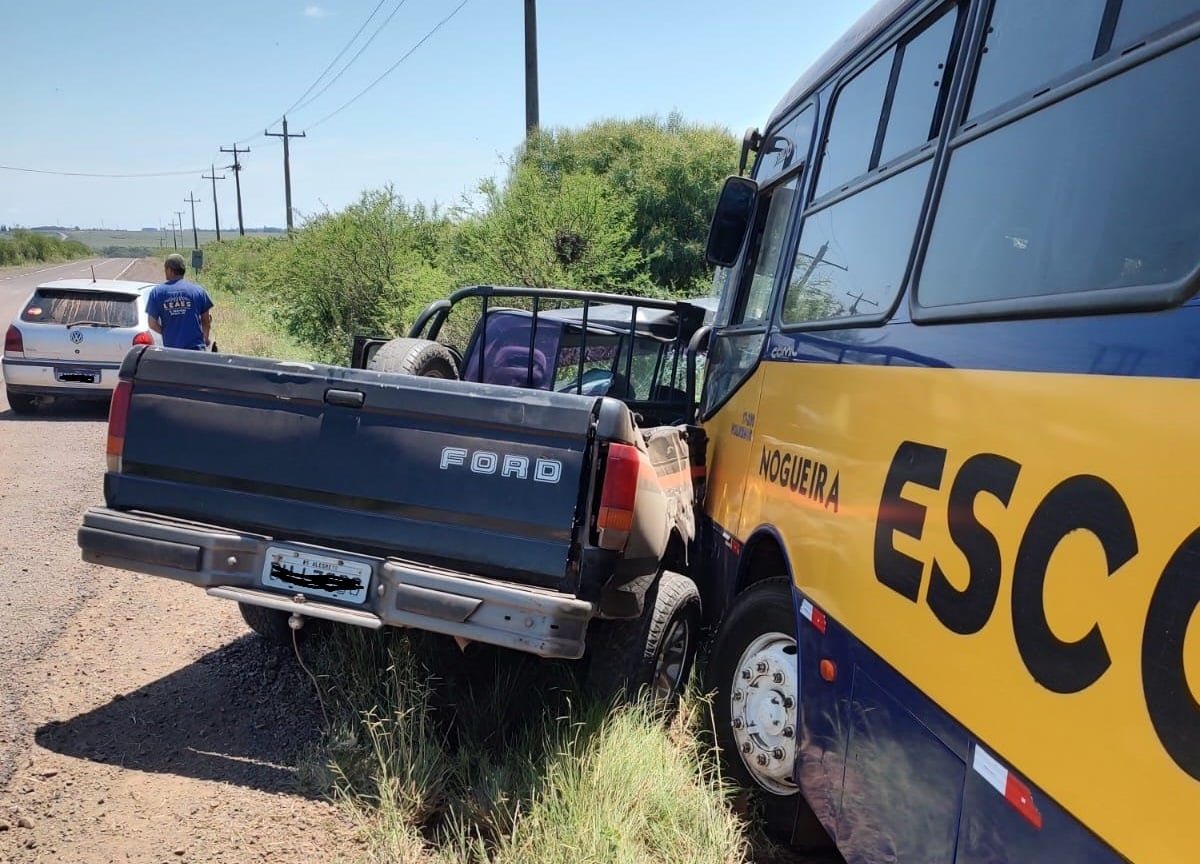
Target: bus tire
[
  {"x": 419, "y": 357},
  {"x": 653, "y": 652},
  {"x": 753, "y": 669}
]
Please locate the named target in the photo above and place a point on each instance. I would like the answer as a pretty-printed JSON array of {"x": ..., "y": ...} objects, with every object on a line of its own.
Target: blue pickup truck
[{"x": 521, "y": 470}]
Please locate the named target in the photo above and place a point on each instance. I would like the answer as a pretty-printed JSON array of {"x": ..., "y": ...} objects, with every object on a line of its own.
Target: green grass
[
  {"x": 242, "y": 326},
  {"x": 490, "y": 757}
]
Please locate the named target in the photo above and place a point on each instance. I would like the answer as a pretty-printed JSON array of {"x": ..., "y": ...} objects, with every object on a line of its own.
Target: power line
[
  {"x": 334, "y": 61},
  {"x": 89, "y": 174},
  {"x": 301, "y": 102},
  {"x": 392, "y": 68},
  {"x": 357, "y": 54}
]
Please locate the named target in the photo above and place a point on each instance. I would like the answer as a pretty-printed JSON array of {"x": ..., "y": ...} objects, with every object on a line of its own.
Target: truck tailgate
[{"x": 367, "y": 461}]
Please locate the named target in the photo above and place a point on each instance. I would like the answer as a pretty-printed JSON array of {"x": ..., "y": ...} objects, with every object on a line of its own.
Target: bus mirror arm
[{"x": 696, "y": 345}]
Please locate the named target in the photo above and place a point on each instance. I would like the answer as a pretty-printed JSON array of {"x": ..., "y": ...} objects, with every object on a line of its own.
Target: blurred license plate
[
  {"x": 77, "y": 376},
  {"x": 302, "y": 572}
]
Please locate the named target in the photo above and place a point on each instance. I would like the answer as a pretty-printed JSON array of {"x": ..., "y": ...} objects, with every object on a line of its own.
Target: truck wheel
[
  {"x": 272, "y": 624},
  {"x": 20, "y": 403},
  {"x": 415, "y": 357},
  {"x": 753, "y": 669},
  {"x": 652, "y": 652}
]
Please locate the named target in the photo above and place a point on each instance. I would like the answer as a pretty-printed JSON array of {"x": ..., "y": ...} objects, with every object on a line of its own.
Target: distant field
[
  {"x": 149, "y": 241},
  {"x": 101, "y": 240}
]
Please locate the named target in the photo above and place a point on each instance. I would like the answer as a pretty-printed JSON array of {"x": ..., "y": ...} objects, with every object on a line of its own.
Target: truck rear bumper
[{"x": 230, "y": 564}]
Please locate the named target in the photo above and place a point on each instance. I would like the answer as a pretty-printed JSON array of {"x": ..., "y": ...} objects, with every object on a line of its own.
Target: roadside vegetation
[
  {"x": 620, "y": 206},
  {"x": 31, "y": 247},
  {"x": 490, "y": 757}
]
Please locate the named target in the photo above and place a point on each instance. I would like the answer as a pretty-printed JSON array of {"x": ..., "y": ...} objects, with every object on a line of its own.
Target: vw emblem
[{"x": 76, "y": 336}]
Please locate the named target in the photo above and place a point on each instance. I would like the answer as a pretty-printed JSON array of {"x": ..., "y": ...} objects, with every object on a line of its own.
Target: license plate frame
[
  {"x": 316, "y": 574},
  {"x": 72, "y": 375}
]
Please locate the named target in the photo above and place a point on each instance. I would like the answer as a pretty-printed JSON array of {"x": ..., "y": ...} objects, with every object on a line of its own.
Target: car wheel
[
  {"x": 415, "y": 357},
  {"x": 272, "y": 625},
  {"x": 653, "y": 653},
  {"x": 20, "y": 403}
]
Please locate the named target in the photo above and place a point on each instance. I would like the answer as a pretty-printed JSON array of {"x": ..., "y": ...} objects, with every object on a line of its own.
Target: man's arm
[
  {"x": 154, "y": 325},
  {"x": 205, "y": 326}
]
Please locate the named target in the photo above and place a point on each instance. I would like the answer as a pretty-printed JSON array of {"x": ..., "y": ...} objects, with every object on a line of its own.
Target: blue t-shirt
[{"x": 178, "y": 306}]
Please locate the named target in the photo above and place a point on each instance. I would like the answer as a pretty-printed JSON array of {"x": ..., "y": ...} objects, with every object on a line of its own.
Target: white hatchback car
[{"x": 70, "y": 338}]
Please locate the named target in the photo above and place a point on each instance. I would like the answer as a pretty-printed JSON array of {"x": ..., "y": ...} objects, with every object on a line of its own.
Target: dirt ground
[{"x": 140, "y": 721}]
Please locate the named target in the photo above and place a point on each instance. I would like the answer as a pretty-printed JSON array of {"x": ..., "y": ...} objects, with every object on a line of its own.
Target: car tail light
[
  {"x": 618, "y": 496},
  {"x": 118, "y": 413},
  {"x": 13, "y": 342},
  {"x": 143, "y": 338}
]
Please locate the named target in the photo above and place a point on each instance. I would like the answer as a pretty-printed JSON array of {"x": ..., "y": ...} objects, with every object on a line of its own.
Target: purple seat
[{"x": 510, "y": 366}]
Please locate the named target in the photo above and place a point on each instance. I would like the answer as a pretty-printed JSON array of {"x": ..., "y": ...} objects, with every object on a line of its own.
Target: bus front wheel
[{"x": 753, "y": 668}]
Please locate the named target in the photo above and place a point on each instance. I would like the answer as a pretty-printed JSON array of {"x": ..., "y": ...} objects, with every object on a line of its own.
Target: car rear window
[{"x": 64, "y": 306}]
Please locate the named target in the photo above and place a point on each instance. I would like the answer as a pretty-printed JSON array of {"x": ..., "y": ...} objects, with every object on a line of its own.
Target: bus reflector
[
  {"x": 1007, "y": 784},
  {"x": 118, "y": 413},
  {"x": 618, "y": 496}
]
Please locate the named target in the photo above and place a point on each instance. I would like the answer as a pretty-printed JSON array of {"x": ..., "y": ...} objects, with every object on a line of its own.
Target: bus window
[
  {"x": 845, "y": 265},
  {"x": 1092, "y": 192},
  {"x": 850, "y": 139},
  {"x": 1031, "y": 42},
  {"x": 1139, "y": 18},
  {"x": 920, "y": 87}
]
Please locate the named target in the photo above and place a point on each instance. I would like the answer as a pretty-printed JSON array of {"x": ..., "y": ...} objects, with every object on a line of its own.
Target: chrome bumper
[{"x": 402, "y": 593}]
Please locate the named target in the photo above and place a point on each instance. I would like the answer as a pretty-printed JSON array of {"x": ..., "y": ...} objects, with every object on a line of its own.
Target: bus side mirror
[{"x": 731, "y": 221}]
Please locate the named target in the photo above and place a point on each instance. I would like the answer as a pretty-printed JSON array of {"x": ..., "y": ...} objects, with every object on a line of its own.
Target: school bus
[{"x": 953, "y": 523}]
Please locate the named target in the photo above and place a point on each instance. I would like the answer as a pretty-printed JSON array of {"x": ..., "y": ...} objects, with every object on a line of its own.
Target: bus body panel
[{"x": 1051, "y": 672}]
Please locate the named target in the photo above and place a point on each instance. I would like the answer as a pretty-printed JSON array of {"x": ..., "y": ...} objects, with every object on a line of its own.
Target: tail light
[
  {"x": 118, "y": 413},
  {"x": 143, "y": 338},
  {"x": 618, "y": 496},
  {"x": 13, "y": 342}
]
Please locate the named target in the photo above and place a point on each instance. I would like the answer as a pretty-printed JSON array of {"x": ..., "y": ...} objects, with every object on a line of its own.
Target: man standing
[{"x": 180, "y": 310}]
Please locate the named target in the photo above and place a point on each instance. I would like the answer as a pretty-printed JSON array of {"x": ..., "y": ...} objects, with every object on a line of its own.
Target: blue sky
[{"x": 126, "y": 87}]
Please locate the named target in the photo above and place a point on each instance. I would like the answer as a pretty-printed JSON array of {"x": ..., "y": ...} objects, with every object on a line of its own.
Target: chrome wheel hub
[{"x": 763, "y": 700}]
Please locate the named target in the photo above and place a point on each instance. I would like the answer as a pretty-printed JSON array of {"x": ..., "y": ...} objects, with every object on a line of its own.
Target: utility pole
[
  {"x": 531, "y": 78},
  {"x": 179, "y": 213},
  {"x": 216, "y": 213},
  {"x": 174, "y": 240},
  {"x": 194, "y": 201},
  {"x": 287, "y": 168},
  {"x": 236, "y": 167}
]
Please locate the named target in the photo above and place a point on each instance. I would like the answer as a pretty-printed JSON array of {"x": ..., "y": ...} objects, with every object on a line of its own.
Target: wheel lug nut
[
  {"x": 762, "y": 759},
  {"x": 777, "y": 753},
  {"x": 745, "y": 674},
  {"x": 738, "y": 695},
  {"x": 789, "y": 732},
  {"x": 746, "y": 747},
  {"x": 737, "y": 723},
  {"x": 788, "y": 702},
  {"x": 761, "y": 666},
  {"x": 777, "y": 677}
]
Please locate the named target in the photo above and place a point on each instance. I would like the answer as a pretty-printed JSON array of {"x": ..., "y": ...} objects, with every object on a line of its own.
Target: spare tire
[{"x": 415, "y": 357}]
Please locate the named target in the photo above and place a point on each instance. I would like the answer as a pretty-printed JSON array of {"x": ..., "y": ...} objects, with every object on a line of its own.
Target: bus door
[{"x": 732, "y": 391}]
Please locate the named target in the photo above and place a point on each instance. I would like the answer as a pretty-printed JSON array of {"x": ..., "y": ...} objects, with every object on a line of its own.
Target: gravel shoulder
[{"x": 140, "y": 721}]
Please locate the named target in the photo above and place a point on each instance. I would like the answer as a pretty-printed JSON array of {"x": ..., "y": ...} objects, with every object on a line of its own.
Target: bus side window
[
  {"x": 1031, "y": 42},
  {"x": 1140, "y": 18},
  {"x": 845, "y": 265}
]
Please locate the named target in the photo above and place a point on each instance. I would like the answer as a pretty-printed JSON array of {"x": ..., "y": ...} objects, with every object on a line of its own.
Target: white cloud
[{"x": 314, "y": 11}]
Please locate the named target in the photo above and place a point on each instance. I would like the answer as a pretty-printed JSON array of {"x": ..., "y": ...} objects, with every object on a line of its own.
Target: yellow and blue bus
[{"x": 952, "y": 508}]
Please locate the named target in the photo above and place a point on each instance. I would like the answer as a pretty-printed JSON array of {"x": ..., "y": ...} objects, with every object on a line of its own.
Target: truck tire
[
  {"x": 415, "y": 357},
  {"x": 653, "y": 652},
  {"x": 20, "y": 403},
  {"x": 272, "y": 624},
  {"x": 754, "y": 670}
]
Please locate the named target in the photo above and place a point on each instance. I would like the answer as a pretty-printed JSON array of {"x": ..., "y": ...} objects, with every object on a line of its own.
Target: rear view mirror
[{"x": 730, "y": 222}]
